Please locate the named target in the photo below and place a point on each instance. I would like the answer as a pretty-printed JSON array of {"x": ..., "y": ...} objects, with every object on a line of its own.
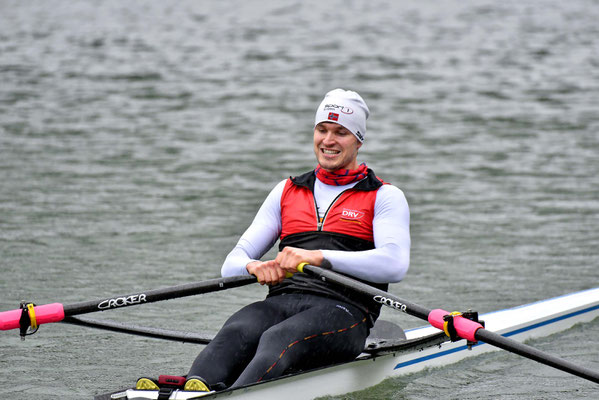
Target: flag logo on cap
[{"x": 333, "y": 116}]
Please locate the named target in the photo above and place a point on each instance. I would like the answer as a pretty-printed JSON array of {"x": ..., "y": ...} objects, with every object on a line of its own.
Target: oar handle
[{"x": 43, "y": 314}]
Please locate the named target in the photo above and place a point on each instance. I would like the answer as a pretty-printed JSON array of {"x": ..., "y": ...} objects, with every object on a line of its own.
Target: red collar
[{"x": 341, "y": 177}]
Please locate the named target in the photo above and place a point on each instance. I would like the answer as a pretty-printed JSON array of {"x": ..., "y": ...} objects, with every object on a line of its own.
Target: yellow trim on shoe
[
  {"x": 146, "y": 384},
  {"x": 196, "y": 385}
]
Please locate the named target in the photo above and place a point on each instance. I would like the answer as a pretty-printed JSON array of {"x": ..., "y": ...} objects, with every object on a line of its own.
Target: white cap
[{"x": 345, "y": 108}]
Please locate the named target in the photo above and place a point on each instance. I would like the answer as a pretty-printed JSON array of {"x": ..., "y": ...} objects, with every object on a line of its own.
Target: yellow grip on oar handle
[{"x": 300, "y": 266}]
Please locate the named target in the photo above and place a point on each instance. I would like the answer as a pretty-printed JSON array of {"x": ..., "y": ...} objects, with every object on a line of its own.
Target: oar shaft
[
  {"x": 57, "y": 312},
  {"x": 380, "y": 296},
  {"x": 154, "y": 295},
  {"x": 523, "y": 350},
  {"x": 465, "y": 328}
]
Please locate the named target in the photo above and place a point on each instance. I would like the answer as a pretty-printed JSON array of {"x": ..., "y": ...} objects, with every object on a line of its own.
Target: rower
[{"x": 339, "y": 216}]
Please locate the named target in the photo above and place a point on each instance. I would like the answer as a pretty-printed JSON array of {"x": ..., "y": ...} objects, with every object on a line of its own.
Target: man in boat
[{"x": 339, "y": 216}]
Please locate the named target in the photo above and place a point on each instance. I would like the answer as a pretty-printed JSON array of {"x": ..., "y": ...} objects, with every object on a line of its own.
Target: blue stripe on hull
[{"x": 507, "y": 334}]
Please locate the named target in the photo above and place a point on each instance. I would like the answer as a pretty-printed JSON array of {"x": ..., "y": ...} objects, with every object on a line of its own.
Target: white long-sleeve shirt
[{"x": 387, "y": 262}]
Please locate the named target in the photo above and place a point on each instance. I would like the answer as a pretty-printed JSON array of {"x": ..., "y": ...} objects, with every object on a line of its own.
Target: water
[{"x": 138, "y": 139}]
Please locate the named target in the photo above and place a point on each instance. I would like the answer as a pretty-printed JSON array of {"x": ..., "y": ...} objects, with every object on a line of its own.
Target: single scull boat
[{"x": 423, "y": 347}]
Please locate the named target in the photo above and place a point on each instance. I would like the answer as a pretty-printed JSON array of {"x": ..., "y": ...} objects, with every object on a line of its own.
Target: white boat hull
[{"x": 519, "y": 323}]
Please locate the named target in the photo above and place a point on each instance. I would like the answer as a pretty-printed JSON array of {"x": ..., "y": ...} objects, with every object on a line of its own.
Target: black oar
[
  {"x": 32, "y": 316},
  {"x": 464, "y": 328}
]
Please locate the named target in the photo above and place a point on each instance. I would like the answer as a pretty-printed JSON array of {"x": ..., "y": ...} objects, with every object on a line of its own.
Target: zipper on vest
[{"x": 320, "y": 221}]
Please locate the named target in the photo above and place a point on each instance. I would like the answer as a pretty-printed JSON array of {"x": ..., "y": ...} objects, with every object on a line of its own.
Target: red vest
[
  {"x": 347, "y": 226},
  {"x": 351, "y": 213}
]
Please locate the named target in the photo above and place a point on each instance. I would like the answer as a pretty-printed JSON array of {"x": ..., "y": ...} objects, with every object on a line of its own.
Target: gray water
[{"x": 138, "y": 139}]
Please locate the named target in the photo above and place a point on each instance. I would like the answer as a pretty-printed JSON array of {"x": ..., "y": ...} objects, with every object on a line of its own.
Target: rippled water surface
[{"x": 138, "y": 139}]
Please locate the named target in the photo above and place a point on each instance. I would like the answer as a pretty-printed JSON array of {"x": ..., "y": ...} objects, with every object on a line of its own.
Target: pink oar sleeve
[
  {"x": 465, "y": 328},
  {"x": 43, "y": 314}
]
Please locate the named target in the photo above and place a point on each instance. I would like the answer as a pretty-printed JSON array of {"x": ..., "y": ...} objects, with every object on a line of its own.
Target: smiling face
[{"x": 335, "y": 147}]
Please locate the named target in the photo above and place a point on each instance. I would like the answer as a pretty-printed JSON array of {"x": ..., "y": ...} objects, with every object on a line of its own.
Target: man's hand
[
  {"x": 267, "y": 272},
  {"x": 290, "y": 257},
  {"x": 274, "y": 271}
]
